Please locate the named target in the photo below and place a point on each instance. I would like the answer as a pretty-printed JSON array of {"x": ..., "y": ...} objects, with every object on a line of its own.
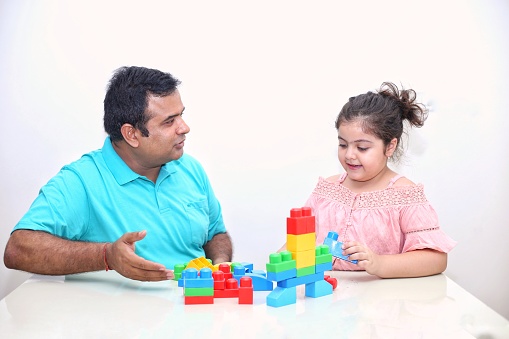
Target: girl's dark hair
[
  {"x": 382, "y": 113},
  {"x": 127, "y": 97}
]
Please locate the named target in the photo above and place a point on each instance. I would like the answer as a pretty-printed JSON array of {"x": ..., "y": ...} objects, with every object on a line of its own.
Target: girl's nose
[{"x": 350, "y": 154}]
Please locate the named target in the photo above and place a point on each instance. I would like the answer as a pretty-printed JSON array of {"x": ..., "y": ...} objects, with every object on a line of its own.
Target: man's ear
[
  {"x": 130, "y": 134},
  {"x": 391, "y": 147}
]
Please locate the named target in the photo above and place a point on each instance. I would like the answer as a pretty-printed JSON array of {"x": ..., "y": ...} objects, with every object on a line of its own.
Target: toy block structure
[
  {"x": 198, "y": 288},
  {"x": 203, "y": 286},
  {"x": 226, "y": 284},
  {"x": 302, "y": 263},
  {"x": 335, "y": 247}
]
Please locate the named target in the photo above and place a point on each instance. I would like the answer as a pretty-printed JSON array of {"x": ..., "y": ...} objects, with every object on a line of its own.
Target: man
[{"x": 138, "y": 205}]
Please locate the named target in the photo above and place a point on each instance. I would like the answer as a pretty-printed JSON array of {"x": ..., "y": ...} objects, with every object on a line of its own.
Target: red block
[
  {"x": 219, "y": 282},
  {"x": 231, "y": 290},
  {"x": 246, "y": 291},
  {"x": 300, "y": 225},
  {"x": 332, "y": 281},
  {"x": 194, "y": 300},
  {"x": 225, "y": 268}
]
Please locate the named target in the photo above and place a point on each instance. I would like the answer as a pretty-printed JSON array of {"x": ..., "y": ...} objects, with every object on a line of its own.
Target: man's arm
[
  {"x": 219, "y": 248},
  {"x": 42, "y": 253}
]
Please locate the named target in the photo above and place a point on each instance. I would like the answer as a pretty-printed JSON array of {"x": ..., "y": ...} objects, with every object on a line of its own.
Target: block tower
[{"x": 302, "y": 263}]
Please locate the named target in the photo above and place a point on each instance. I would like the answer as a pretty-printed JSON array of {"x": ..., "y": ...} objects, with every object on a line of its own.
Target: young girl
[{"x": 383, "y": 219}]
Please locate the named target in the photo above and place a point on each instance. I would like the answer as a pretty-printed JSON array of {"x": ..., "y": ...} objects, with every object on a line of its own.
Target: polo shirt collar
[{"x": 122, "y": 173}]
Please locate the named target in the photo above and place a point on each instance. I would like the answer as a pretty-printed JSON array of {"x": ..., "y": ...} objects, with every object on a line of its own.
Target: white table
[{"x": 107, "y": 305}]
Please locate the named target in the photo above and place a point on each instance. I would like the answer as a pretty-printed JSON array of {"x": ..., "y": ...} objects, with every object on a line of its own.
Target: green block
[
  {"x": 323, "y": 258},
  {"x": 305, "y": 271},
  {"x": 282, "y": 266},
  {"x": 199, "y": 291}
]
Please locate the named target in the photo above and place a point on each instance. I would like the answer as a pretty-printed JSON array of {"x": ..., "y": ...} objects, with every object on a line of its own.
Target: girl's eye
[
  {"x": 362, "y": 149},
  {"x": 342, "y": 145}
]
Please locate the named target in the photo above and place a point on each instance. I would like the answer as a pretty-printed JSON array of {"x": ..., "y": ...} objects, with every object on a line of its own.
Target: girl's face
[{"x": 363, "y": 156}]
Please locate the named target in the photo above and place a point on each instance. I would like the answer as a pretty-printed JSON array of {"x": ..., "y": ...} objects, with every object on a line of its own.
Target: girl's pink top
[{"x": 394, "y": 220}]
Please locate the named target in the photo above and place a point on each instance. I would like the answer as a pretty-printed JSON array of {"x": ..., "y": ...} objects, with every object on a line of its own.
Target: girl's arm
[{"x": 418, "y": 263}]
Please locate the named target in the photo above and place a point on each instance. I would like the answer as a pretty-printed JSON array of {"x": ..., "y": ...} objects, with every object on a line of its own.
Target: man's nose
[{"x": 183, "y": 128}]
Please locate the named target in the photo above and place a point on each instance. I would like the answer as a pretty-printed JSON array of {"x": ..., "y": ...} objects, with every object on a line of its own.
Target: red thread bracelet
[{"x": 104, "y": 256}]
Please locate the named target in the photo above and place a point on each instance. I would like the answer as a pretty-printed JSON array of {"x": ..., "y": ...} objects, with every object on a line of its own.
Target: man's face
[{"x": 167, "y": 131}]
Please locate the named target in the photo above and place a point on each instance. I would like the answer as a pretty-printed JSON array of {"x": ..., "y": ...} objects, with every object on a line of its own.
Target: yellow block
[
  {"x": 200, "y": 263},
  {"x": 304, "y": 258},
  {"x": 300, "y": 242}
]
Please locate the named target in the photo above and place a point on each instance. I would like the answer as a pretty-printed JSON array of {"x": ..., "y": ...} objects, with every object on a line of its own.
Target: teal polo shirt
[{"x": 98, "y": 198}]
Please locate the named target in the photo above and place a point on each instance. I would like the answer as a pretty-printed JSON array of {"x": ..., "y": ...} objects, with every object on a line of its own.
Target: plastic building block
[
  {"x": 279, "y": 262},
  {"x": 300, "y": 221},
  {"x": 300, "y": 242},
  {"x": 248, "y": 266},
  {"x": 306, "y": 271},
  {"x": 326, "y": 266},
  {"x": 335, "y": 247},
  {"x": 282, "y": 297},
  {"x": 198, "y": 291},
  {"x": 331, "y": 280},
  {"x": 318, "y": 289},
  {"x": 260, "y": 282},
  {"x": 219, "y": 281},
  {"x": 191, "y": 278},
  {"x": 246, "y": 290},
  {"x": 283, "y": 275},
  {"x": 304, "y": 258},
  {"x": 200, "y": 263},
  {"x": 226, "y": 269},
  {"x": 231, "y": 290},
  {"x": 301, "y": 280},
  {"x": 177, "y": 271},
  {"x": 322, "y": 254},
  {"x": 198, "y": 300}
]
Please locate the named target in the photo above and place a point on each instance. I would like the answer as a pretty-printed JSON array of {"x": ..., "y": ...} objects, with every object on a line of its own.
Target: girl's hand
[{"x": 367, "y": 259}]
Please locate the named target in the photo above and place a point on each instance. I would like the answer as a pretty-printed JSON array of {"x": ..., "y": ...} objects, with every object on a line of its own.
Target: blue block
[
  {"x": 248, "y": 266},
  {"x": 191, "y": 279},
  {"x": 259, "y": 272},
  {"x": 193, "y": 283},
  {"x": 318, "y": 289},
  {"x": 335, "y": 247},
  {"x": 326, "y": 266},
  {"x": 282, "y": 297},
  {"x": 283, "y": 275},
  {"x": 260, "y": 282},
  {"x": 239, "y": 272},
  {"x": 306, "y": 279}
]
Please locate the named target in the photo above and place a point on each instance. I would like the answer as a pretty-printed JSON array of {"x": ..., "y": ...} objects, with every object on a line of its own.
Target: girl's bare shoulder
[
  {"x": 404, "y": 181},
  {"x": 333, "y": 178}
]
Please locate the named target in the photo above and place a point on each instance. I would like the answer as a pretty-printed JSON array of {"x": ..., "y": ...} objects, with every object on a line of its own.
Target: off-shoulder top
[{"x": 394, "y": 220}]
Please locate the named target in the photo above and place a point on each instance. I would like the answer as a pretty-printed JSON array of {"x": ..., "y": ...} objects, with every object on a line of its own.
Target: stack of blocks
[
  {"x": 302, "y": 262},
  {"x": 201, "y": 287},
  {"x": 198, "y": 288}
]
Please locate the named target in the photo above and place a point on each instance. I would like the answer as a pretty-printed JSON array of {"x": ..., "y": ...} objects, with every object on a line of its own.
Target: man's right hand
[{"x": 121, "y": 257}]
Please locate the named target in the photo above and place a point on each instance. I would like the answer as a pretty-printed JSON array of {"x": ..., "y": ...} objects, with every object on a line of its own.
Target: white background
[{"x": 262, "y": 84}]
